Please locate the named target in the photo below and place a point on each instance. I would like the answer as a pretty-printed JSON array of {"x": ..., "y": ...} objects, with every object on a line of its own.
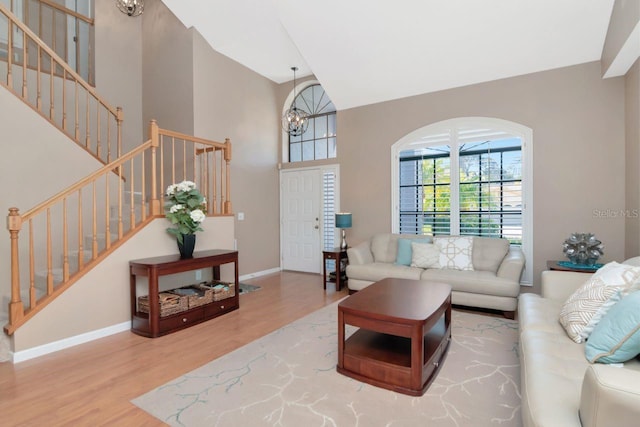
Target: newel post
[
  {"x": 16, "y": 308},
  {"x": 227, "y": 158},
  {"x": 154, "y": 136}
]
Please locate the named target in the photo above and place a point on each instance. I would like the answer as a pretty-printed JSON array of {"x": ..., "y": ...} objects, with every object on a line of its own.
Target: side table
[
  {"x": 554, "y": 265},
  {"x": 341, "y": 259}
]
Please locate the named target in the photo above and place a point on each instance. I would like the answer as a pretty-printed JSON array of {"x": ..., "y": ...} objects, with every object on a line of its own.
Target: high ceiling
[{"x": 368, "y": 51}]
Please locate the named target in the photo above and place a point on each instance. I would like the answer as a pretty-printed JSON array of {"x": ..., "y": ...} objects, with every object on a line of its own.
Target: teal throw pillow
[
  {"x": 405, "y": 253},
  {"x": 616, "y": 338}
]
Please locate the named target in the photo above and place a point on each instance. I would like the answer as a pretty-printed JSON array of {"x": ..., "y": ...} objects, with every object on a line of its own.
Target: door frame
[{"x": 335, "y": 167}]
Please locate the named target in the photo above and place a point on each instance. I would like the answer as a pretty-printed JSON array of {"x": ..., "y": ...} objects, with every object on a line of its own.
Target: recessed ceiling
[{"x": 368, "y": 51}]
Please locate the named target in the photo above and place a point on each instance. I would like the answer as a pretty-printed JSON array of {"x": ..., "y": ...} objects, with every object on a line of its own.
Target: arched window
[
  {"x": 466, "y": 176},
  {"x": 319, "y": 140}
]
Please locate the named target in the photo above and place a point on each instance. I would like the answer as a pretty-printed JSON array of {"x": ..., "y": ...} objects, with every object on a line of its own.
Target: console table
[{"x": 151, "y": 324}]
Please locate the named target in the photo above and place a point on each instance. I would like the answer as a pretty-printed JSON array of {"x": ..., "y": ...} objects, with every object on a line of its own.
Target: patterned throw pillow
[
  {"x": 585, "y": 307},
  {"x": 404, "y": 253},
  {"x": 456, "y": 253},
  {"x": 425, "y": 255}
]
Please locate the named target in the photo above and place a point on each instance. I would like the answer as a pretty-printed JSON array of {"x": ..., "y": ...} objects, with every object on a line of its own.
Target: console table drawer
[
  {"x": 218, "y": 307},
  {"x": 180, "y": 320}
]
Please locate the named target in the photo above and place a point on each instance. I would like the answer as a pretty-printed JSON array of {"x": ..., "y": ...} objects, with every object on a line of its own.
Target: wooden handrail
[
  {"x": 61, "y": 62},
  {"x": 93, "y": 117},
  {"x": 109, "y": 207},
  {"x": 113, "y": 166}
]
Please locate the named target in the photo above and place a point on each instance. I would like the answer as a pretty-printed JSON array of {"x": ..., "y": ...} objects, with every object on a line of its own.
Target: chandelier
[
  {"x": 295, "y": 120},
  {"x": 131, "y": 7}
]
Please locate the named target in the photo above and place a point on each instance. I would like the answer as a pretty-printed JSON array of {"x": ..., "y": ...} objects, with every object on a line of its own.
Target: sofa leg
[{"x": 509, "y": 314}]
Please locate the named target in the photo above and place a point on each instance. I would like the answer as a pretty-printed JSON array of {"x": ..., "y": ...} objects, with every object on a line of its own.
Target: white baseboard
[
  {"x": 260, "y": 273},
  {"x": 52, "y": 347},
  {"x": 34, "y": 352}
]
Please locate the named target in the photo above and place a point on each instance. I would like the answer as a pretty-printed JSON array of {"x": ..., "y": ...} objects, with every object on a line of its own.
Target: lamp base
[{"x": 343, "y": 243}]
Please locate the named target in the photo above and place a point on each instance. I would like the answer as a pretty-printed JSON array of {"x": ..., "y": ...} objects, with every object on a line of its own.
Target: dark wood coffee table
[{"x": 404, "y": 335}]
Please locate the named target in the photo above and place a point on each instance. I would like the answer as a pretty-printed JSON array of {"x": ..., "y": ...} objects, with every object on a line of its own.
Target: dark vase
[{"x": 187, "y": 246}]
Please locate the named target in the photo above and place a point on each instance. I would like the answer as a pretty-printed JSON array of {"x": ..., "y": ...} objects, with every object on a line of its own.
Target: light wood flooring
[{"x": 92, "y": 384}]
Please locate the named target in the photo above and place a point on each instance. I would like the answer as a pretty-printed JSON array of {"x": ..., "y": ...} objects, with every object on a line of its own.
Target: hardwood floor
[{"x": 92, "y": 384}]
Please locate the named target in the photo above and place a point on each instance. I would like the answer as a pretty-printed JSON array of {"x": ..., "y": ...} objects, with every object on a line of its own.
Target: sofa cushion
[
  {"x": 455, "y": 252},
  {"x": 586, "y": 306},
  {"x": 478, "y": 282},
  {"x": 540, "y": 314},
  {"x": 384, "y": 246},
  {"x": 488, "y": 253},
  {"x": 424, "y": 255},
  {"x": 405, "y": 251},
  {"x": 616, "y": 338},
  {"x": 381, "y": 270}
]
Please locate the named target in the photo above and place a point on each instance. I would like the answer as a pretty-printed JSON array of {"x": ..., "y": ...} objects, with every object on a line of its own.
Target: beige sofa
[
  {"x": 494, "y": 283},
  {"x": 559, "y": 387}
]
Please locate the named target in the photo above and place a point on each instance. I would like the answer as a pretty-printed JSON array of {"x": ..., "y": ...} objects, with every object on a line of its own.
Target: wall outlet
[{"x": 198, "y": 274}]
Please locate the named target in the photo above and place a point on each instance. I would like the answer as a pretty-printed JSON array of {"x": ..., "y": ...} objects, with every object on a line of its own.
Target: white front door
[{"x": 301, "y": 207}]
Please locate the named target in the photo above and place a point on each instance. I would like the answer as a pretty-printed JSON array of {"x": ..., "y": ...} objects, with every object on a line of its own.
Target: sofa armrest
[
  {"x": 610, "y": 397},
  {"x": 360, "y": 254},
  {"x": 512, "y": 265},
  {"x": 559, "y": 285}
]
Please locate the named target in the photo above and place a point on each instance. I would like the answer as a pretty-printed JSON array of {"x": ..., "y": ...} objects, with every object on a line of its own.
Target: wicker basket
[
  {"x": 201, "y": 296},
  {"x": 221, "y": 290},
  {"x": 169, "y": 304}
]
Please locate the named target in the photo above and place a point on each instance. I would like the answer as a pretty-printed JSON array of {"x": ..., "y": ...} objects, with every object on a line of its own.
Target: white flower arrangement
[{"x": 185, "y": 208}]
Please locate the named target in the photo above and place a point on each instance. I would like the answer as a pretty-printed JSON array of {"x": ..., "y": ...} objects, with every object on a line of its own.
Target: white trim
[
  {"x": 525, "y": 133},
  {"x": 260, "y": 273},
  {"x": 65, "y": 343}
]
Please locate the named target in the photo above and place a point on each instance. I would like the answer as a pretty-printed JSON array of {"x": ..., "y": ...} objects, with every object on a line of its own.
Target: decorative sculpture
[{"x": 583, "y": 248}]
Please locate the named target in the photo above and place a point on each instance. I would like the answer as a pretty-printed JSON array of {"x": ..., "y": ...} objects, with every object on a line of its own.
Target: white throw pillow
[
  {"x": 456, "y": 253},
  {"x": 589, "y": 303},
  {"x": 425, "y": 255}
]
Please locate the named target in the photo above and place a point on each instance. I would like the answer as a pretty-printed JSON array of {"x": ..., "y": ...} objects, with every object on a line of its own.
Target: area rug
[
  {"x": 288, "y": 378},
  {"x": 245, "y": 288}
]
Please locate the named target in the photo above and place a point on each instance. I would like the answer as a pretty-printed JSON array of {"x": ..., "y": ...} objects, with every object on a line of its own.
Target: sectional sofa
[
  {"x": 559, "y": 386},
  {"x": 492, "y": 282}
]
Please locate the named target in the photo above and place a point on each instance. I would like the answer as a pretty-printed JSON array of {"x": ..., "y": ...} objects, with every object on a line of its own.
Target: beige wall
[
  {"x": 632, "y": 161},
  {"x": 231, "y": 101},
  {"x": 167, "y": 69},
  {"x": 118, "y": 64},
  {"x": 578, "y": 152}
]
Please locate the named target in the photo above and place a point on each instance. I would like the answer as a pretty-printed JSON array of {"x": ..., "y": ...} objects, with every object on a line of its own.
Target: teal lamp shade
[{"x": 343, "y": 220}]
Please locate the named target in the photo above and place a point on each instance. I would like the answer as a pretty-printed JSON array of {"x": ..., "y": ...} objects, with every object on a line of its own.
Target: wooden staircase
[{"x": 55, "y": 243}]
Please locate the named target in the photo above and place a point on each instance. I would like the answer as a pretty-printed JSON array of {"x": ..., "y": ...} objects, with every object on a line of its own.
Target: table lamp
[{"x": 343, "y": 220}]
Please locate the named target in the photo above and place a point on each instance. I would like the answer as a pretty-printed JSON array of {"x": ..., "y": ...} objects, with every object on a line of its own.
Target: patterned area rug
[{"x": 288, "y": 378}]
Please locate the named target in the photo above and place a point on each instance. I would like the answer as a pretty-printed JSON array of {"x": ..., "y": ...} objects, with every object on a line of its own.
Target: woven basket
[
  {"x": 221, "y": 290},
  {"x": 201, "y": 297},
  {"x": 169, "y": 303}
]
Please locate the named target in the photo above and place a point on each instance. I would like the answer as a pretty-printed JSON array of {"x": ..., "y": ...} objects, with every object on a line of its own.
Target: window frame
[
  {"x": 286, "y": 141},
  {"x": 414, "y": 140}
]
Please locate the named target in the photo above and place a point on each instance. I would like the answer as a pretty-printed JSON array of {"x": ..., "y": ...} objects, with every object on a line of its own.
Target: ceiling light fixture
[
  {"x": 131, "y": 7},
  {"x": 295, "y": 120}
]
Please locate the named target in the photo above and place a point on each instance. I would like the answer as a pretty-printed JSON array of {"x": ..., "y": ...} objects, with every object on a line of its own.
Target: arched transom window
[{"x": 319, "y": 140}]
